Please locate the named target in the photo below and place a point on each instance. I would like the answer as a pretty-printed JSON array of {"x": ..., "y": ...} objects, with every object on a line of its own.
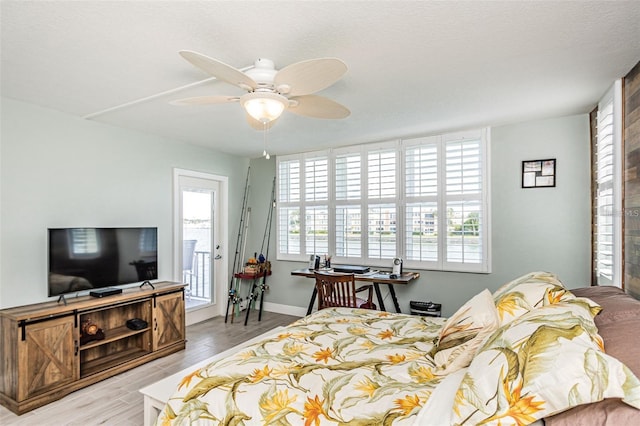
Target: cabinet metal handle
[
  {"x": 155, "y": 324},
  {"x": 23, "y": 327},
  {"x": 77, "y": 347}
]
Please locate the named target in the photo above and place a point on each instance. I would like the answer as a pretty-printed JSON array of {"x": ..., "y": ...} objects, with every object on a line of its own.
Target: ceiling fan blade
[
  {"x": 259, "y": 125},
  {"x": 306, "y": 77},
  {"x": 219, "y": 70},
  {"x": 205, "y": 100},
  {"x": 318, "y": 107}
]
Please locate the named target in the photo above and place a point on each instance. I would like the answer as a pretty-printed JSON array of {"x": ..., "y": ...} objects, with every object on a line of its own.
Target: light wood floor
[{"x": 116, "y": 401}]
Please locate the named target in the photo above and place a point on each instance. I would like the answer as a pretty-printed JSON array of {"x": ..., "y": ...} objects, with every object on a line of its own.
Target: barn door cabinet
[
  {"x": 46, "y": 355},
  {"x": 168, "y": 320}
]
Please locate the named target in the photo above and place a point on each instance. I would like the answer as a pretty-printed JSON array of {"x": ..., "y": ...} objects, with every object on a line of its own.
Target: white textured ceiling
[{"x": 415, "y": 67}]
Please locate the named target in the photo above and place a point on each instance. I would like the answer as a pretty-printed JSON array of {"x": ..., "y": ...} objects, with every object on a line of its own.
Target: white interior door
[{"x": 200, "y": 209}]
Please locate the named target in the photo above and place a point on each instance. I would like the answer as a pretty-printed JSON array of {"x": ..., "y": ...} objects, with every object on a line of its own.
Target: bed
[{"x": 529, "y": 352}]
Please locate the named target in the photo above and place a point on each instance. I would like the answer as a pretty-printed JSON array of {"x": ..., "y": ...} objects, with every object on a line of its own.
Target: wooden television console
[{"x": 42, "y": 356}]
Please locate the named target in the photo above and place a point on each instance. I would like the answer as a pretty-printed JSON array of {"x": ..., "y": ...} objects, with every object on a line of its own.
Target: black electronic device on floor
[{"x": 429, "y": 309}]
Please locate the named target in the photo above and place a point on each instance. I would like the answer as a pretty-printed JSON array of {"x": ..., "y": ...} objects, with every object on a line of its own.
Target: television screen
[{"x": 89, "y": 258}]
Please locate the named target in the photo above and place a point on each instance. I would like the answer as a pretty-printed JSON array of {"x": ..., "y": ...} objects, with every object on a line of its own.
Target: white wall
[
  {"x": 57, "y": 170},
  {"x": 545, "y": 229}
]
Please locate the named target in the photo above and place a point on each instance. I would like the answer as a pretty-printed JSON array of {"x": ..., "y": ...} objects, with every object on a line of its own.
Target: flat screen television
[{"x": 90, "y": 258}]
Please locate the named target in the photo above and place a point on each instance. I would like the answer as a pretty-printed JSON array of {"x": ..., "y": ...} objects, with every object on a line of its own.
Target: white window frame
[{"x": 400, "y": 201}]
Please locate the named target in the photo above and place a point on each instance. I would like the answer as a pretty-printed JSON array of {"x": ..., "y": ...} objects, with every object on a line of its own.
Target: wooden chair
[{"x": 339, "y": 290}]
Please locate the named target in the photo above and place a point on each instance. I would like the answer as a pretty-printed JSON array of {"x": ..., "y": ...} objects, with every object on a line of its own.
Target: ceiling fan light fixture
[{"x": 264, "y": 106}]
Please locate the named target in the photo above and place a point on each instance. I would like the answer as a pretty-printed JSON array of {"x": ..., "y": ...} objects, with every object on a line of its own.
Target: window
[
  {"x": 422, "y": 199},
  {"x": 446, "y": 198},
  {"x": 607, "y": 200}
]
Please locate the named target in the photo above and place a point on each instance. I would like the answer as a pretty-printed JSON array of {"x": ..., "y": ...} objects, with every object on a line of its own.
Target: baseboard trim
[
  {"x": 296, "y": 311},
  {"x": 284, "y": 309}
]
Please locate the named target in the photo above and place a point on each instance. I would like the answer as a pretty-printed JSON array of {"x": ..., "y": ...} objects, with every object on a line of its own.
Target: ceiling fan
[{"x": 271, "y": 91}]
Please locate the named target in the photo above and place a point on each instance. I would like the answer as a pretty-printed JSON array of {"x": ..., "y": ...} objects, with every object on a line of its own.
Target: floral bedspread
[{"x": 336, "y": 366}]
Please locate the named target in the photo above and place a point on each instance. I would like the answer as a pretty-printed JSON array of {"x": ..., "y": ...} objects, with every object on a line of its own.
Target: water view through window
[{"x": 197, "y": 207}]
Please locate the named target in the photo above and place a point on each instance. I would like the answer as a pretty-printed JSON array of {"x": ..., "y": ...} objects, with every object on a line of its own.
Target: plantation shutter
[
  {"x": 463, "y": 194},
  {"x": 289, "y": 190},
  {"x": 316, "y": 179},
  {"x": 424, "y": 200},
  {"x": 316, "y": 195},
  {"x": 421, "y": 213},
  {"x": 381, "y": 173},
  {"x": 348, "y": 210},
  {"x": 607, "y": 199},
  {"x": 381, "y": 217},
  {"x": 604, "y": 193}
]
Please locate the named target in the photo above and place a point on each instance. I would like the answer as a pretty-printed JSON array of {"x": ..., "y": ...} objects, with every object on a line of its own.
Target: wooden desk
[{"x": 380, "y": 277}]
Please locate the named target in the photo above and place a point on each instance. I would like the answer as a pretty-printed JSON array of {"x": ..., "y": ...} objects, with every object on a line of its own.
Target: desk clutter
[{"x": 351, "y": 269}]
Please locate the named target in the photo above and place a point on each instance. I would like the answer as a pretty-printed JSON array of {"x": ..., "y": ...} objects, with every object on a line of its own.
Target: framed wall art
[{"x": 539, "y": 173}]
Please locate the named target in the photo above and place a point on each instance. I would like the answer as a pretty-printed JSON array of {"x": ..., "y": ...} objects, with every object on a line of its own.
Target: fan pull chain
[{"x": 265, "y": 154}]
